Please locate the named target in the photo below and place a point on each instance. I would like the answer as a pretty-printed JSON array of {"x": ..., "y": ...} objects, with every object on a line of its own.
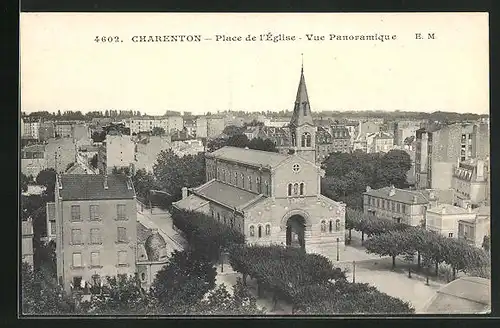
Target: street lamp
[
  {"x": 338, "y": 248},
  {"x": 353, "y": 272}
]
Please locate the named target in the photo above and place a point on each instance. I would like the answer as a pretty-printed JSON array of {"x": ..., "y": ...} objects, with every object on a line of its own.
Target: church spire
[{"x": 302, "y": 110}]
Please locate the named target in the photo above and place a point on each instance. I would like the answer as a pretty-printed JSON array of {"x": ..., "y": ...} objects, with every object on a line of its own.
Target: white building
[
  {"x": 148, "y": 123},
  {"x": 444, "y": 218}
]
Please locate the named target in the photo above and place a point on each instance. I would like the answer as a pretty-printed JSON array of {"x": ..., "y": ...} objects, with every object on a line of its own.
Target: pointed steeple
[{"x": 302, "y": 109}]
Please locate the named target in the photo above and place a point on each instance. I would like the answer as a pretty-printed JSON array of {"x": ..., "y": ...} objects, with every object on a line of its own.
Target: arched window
[
  {"x": 235, "y": 178},
  {"x": 268, "y": 229},
  {"x": 250, "y": 182},
  {"x": 260, "y": 231},
  {"x": 243, "y": 180},
  {"x": 294, "y": 140},
  {"x": 330, "y": 228},
  {"x": 308, "y": 139},
  {"x": 212, "y": 211},
  {"x": 337, "y": 225},
  {"x": 252, "y": 231},
  {"x": 303, "y": 140},
  {"x": 218, "y": 217},
  {"x": 231, "y": 222},
  {"x": 143, "y": 276},
  {"x": 302, "y": 188},
  {"x": 257, "y": 182},
  {"x": 224, "y": 218},
  {"x": 295, "y": 189},
  {"x": 267, "y": 187},
  {"x": 323, "y": 226},
  {"x": 289, "y": 189}
]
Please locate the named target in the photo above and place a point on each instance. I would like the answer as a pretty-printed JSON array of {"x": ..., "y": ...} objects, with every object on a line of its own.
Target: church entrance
[{"x": 295, "y": 231}]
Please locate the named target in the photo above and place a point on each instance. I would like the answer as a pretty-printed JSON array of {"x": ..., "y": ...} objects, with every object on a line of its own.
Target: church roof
[
  {"x": 302, "y": 109},
  {"x": 227, "y": 195},
  {"x": 248, "y": 156}
]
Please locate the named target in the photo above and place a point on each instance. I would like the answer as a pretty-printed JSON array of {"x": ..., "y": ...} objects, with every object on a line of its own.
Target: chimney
[
  {"x": 368, "y": 188},
  {"x": 432, "y": 195},
  {"x": 443, "y": 210},
  {"x": 392, "y": 192},
  {"x": 414, "y": 198},
  {"x": 184, "y": 192},
  {"x": 106, "y": 181}
]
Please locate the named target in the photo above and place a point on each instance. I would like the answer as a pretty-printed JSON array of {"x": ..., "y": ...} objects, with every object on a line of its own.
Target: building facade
[
  {"x": 33, "y": 160},
  {"x": 474, "y": 230},
  {"x": 379, "y": 142},
  {"x": 439, "y": 148},
  {"x": 118, "y": 151},
  {"x": 401, "y": 205},
  {"x": 27, "y": 241},
  {"x": 96, "y": 228},
  {"x": 31, "y": 128},
  {"x": 273, "y": 198},
  {"x": 470, "y": 182},
  {"x": 444, "y": 218},
  {"x": 46, "y": 131}
]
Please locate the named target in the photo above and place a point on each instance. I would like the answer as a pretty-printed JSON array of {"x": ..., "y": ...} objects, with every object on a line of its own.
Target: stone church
[{"x": 273, "y": 198}]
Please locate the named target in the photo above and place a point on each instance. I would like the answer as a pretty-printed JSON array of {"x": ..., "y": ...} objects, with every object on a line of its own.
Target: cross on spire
[{"x": 302, "y": 66}]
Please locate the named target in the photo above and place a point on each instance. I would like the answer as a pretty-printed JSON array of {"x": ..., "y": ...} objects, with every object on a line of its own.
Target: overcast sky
[{"x": 63, "y": 68}]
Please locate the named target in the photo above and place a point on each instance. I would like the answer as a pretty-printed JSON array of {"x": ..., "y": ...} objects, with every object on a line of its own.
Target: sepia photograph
[{"x": 254, "y": 165}]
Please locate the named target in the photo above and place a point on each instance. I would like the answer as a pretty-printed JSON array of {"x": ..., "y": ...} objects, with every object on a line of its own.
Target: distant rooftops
[{"x": 94, "y": 187}]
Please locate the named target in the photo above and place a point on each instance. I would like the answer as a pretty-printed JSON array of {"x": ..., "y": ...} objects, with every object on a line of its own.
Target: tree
[
  {"x": 217, "y": 143},
  {"x": 93, "y": 161},
  {"x": 47, "y": 178},
  {"x": 395, "y": 165},
  {"x": 232, "y": 130},
  {"x": 238, "y": 140},
  {"x": 182, "y": 283},
  {"x": 392, "y": 243},
  {"x": 158, "y": 131},
  {"x": 99, "y": 136},
  {"x": 143, "y": 182},
  {"x": 173, "y": 172},
  {"x": 40, "y": 294},
  {"x": 220, "y": 301},
  {"x": 261, "y": 144},
  {"x": 24, "y": 181},
  {"x": 120, "y": 294},
  {"x": 486, "y": 243}
]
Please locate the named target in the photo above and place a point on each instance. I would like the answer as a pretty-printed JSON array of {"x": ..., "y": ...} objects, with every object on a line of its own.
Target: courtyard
[{"x": 368, "y": 268}]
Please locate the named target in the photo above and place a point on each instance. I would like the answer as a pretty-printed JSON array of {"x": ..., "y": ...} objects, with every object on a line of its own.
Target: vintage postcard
[{"x": 251, "y": 164}]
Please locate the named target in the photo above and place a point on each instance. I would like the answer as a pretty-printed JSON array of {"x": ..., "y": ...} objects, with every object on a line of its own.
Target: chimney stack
[
  {"x": 106, "y": 181},
  {"x": 184, "y": 192},
  {"x": 368, "y": 188},
  {"x": 392, "y": 192},
  {"x": 414, "y": 198}
]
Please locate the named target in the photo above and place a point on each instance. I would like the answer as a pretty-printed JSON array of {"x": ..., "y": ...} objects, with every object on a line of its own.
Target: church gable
[{"x": 302, "y": 175}]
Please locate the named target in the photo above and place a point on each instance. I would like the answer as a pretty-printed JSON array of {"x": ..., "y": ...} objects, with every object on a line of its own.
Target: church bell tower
[{"x": 302, "y": 129}]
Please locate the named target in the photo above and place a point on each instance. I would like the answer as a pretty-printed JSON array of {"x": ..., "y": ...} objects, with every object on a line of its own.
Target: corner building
[
  {"x": 273, "y": 198},
  {"x": 96, "y": 228}
]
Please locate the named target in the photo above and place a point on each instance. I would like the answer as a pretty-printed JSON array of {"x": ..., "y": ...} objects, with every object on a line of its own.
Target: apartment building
[
  {"x": 31, "y": 128},
  {"x": 96, "y": 228},
  {"x": 474, "y": 230},
  {"x": 379, "y": 142},
  {"x": 33, "y": 160},
  {"x": 118, "y": 151},
  {"x": 143, "y": 124},
  {"x": 401, "y": 205},
  {"x": 444, "y": 218},
  {"x": 470, "y": 182},
  {"x": 438, "y": 148}
]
